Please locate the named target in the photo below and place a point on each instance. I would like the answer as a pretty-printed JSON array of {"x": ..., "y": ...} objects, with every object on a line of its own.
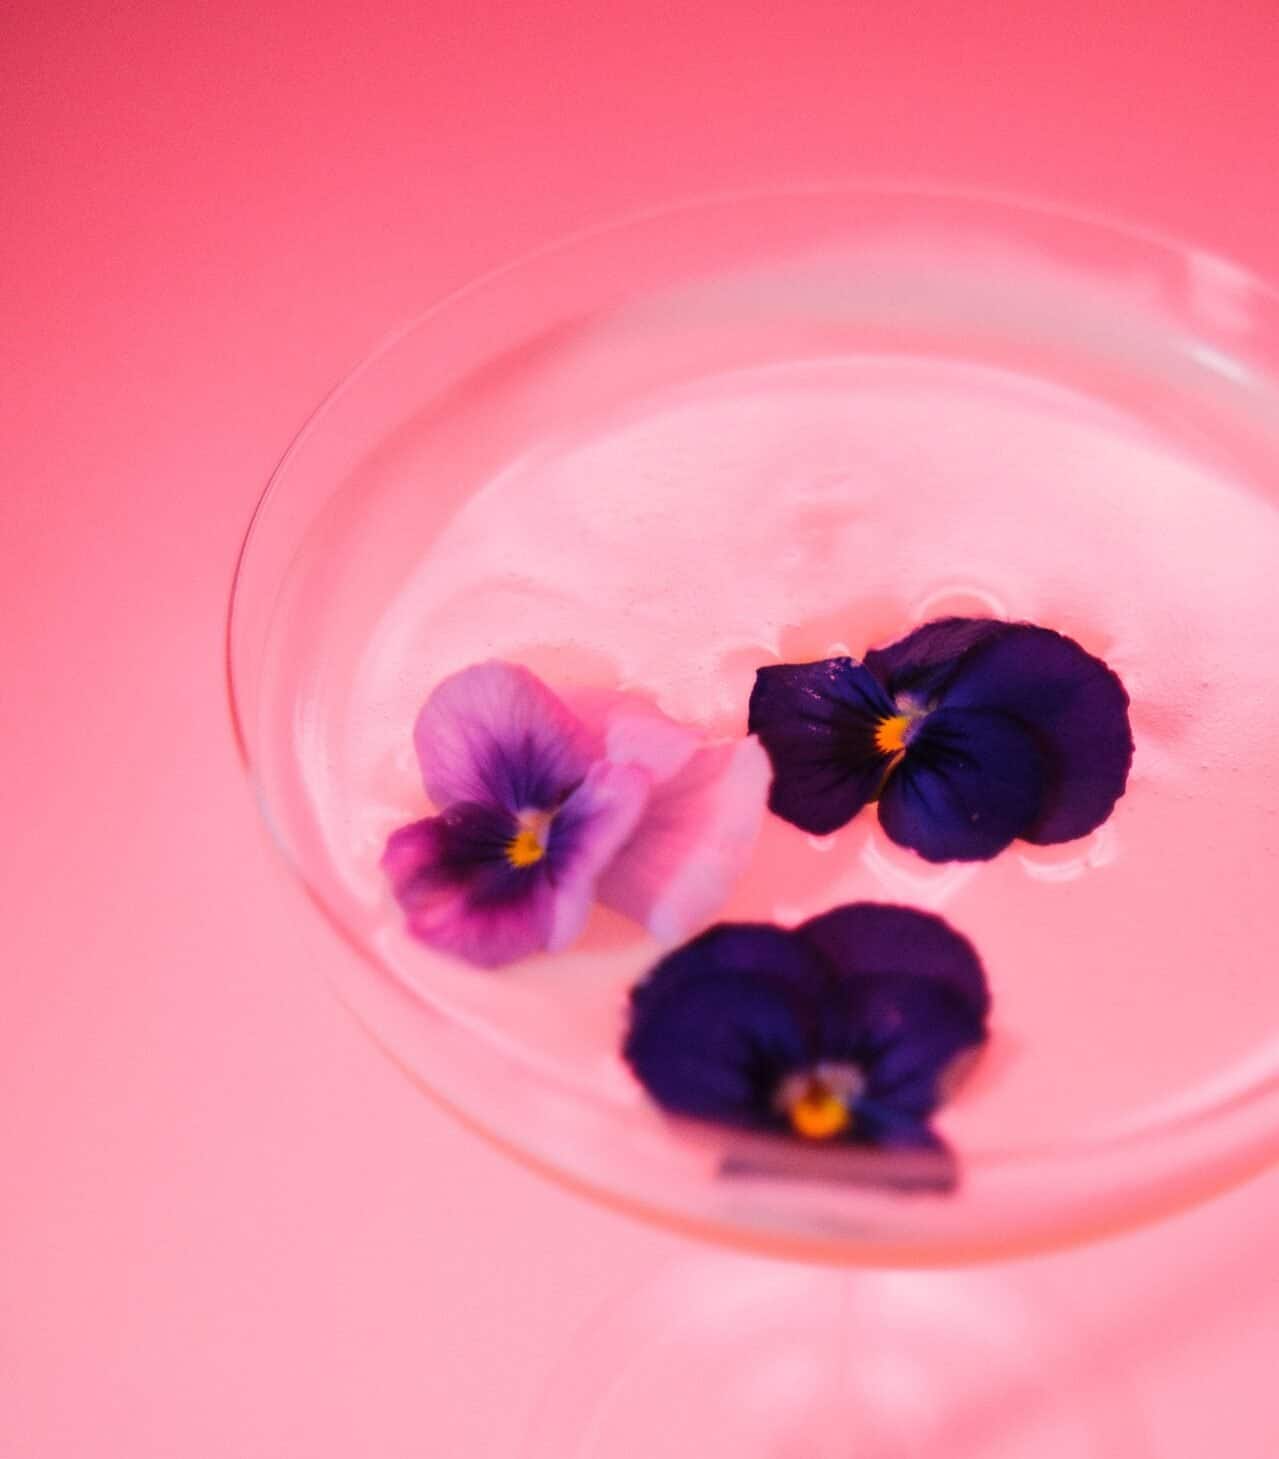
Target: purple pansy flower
[
  {"x": 843, "y": 1030},
  {"x": 969, "y": 732},
  {"x": 543, "y": 811}
]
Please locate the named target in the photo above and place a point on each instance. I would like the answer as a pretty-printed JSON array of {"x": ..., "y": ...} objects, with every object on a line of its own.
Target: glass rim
[{"x": 1021, "y": 1160}]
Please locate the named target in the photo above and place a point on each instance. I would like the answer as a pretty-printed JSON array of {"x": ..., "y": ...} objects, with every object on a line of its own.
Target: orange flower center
[
  {"x": 819, "y": 1113},
  {"x": 890, "y": 734},
  {"x": 528, "y": 846}
]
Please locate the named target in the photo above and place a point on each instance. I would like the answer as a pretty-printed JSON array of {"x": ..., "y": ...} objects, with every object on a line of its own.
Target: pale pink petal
[
  {"x": 496, "y": 735},
  {"x": 586, "y": 834},
  {"x": 693, "y": 842},
  {"x": 702, "y": 819},
  {"x": 640, "y": 735},
  {"x": 629, "y": 729}
]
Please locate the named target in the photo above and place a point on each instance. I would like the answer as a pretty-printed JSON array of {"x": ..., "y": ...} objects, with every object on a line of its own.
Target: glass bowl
[{"x": 664, "y": 452}]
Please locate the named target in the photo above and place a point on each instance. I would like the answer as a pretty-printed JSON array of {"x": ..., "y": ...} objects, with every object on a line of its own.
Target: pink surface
[{"x": 230, "y": 1227}]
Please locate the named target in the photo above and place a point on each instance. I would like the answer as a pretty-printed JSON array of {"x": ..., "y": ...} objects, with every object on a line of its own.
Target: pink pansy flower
[{"x": 542, "y": 811}]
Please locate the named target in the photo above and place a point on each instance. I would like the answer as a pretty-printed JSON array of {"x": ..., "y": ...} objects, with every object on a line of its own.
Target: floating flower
[
  {"x": 705, "y": 807},
  {"x": 843, "y": 1030},
  {"x": 969, "y": 733},
  {"x": 543, "y": 811}
]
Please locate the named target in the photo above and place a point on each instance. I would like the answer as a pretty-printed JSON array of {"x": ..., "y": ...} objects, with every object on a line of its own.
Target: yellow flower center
[
  {"x": 819, "y": 1113},
  {"x": 890, "y": 734},
  {"x": 528, "y": 845}
]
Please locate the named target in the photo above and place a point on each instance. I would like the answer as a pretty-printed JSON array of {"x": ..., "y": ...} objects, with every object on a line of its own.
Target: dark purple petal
[
  {"x": 720, "y": 1022},
  {"x": 921, "y": 664},
  {"x": 496, "y": 735},
  {"x": 904, "y": 1032},
  {"x": 817, "y": 722},
  {"x": 873, "y": 938},
  {"x": 970, "y": 783},
  {"x": 1077, "y": 709},
  {"x": 896, "y": 1130},
  {"x": 459, "y": 892}
]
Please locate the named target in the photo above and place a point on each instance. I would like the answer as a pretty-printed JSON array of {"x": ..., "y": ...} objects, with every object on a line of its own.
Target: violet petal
[
  {"x": 922, "y": 664},
  {"x": 721, "y": 1020},
  {"x": 460, "y": 894},
  {"x": 970, "y": 782},
  {"x": 495, "y": 734},
  {"x": 876, "y": 938},
  {"x": 817, "y": 722},
  {"x": 1076, "y": 708}
]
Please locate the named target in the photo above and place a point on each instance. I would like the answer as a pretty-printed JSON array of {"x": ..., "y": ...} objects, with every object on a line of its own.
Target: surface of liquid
[{"x": 816, "y": 506}]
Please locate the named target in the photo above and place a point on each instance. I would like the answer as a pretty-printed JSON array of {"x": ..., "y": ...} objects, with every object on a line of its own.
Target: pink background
[{"x": 229, "y": 1227}]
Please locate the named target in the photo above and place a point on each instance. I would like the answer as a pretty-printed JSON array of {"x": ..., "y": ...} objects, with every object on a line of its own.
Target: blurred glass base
[{"x": 762, "y": 1360}]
